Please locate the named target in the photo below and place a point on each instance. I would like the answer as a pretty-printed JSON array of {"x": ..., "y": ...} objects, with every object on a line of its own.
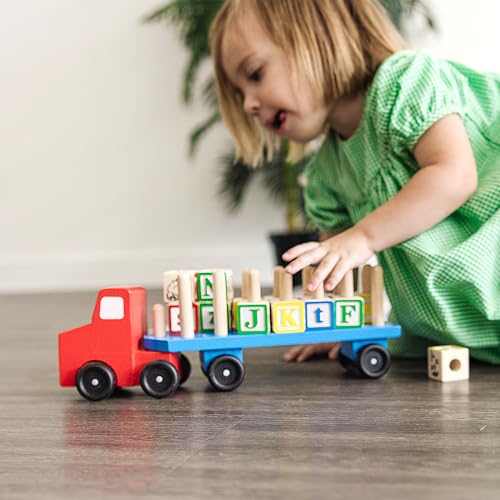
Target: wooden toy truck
[{"x": 116, "y": 350}]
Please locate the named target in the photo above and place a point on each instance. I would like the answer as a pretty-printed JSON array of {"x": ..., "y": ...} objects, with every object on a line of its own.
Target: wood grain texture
[{"x": 290, "y": 431}]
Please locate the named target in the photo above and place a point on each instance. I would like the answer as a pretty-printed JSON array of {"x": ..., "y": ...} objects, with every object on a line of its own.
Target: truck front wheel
[
  {"x": 95, "y": 381},
  {"x": 159, "y": 379}
]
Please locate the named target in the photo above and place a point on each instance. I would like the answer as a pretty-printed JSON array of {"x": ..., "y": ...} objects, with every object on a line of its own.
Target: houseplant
[{"x": 281, "y": 176}]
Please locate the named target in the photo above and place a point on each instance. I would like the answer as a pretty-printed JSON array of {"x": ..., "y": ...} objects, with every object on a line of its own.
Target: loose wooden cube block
[
  {"x": 288, "y": 316},
  {"x": 349, "y": 312},
  {"x": 252, "y": 317},
  {"x": 448, "y": 363},
  {"x": 205, "y": 282},
  {"x": 320, "y": 314},
  {"x": 206, "y": 316},
  {"x": 174, "y": 318}
]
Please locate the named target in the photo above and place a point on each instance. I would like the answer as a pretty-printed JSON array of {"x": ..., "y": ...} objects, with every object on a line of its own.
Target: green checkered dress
[{"x": 444, "y": 284}]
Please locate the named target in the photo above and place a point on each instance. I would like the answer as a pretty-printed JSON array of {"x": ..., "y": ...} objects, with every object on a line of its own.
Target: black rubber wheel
[
  {"x": 226, "y": 373},
  {"x": 185, "y": 368},
  {"x": 374, "y": 361},
  {"x": 159, "y": 379},
  {"x": 95, "y": 381}
]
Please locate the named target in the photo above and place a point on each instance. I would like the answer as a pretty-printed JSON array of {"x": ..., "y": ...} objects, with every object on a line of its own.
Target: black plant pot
[{"x": 283, "y": 241}]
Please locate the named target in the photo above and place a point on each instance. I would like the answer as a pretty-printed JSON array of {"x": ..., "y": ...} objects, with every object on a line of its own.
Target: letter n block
[
  {"x": 349, "y": 313},
  {"x": 252, "y": 317},
  {"x": 288, "y": 316},
  {"x": 320, "y": 314},
  {"x": 205, "y": 282}
]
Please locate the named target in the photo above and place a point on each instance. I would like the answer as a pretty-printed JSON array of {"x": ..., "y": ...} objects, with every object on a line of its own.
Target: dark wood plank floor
[{"x": 290, "y": 431}]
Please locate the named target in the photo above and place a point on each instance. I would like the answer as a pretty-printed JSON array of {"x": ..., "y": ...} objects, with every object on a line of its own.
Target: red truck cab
[{"x": 108, "y": 353}]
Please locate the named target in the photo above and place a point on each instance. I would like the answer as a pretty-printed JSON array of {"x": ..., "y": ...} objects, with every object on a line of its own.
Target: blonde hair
[{"x": 337, "y": 45}]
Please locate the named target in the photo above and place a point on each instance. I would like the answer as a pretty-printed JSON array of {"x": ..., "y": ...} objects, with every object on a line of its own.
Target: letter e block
[
  {"x": 349, "y": 313},
  {"x": 448, "y": 363},
  {"x": 174, "y": 318},
  {"x": 252, "y": 317},
  {"x": 288, "y": 316}
]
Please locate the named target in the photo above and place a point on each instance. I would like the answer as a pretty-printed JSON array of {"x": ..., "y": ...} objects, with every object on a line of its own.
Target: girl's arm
[{"x": 446, "y": 179}]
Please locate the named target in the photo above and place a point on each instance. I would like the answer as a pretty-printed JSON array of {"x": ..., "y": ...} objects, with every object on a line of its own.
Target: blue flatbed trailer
[{"x": 363, "y": 350}]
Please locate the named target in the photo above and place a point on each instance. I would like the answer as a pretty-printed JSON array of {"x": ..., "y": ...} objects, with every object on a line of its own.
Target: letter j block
[
  {"x": 252, "y": 317},
  {"x": 288, "y": 316}
]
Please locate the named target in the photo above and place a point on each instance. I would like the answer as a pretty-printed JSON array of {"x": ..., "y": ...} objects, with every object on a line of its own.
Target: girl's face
[{"x": 260, "y": 70}]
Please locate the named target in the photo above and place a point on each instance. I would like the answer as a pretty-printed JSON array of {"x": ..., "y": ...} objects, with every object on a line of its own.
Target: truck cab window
[{"x": 112, "y": 308}]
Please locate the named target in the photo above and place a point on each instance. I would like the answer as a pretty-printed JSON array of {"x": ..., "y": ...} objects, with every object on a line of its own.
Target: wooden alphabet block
[
  {"x": 288, "y": 316},
  {"x": 349, "y": 312},
  {"x": 448, "y": 363},
  {"x": 174, "y": 318},
  {"x": 320, "y": 314},
  {"x": 253, "y": 317},
  {"x": 205, "y": 284},
  {"x": 207, "y": 316}
]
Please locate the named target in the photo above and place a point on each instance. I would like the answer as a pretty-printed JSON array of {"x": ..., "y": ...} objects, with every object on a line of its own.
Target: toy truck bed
[{"x": 363, "y": 350}]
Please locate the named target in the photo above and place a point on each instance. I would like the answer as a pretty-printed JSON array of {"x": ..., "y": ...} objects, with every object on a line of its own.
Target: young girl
[{"x": 409, "y": 168}]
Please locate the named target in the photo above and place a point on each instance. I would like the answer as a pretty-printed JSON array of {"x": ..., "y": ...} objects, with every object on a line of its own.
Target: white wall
[{"x": 95, "y": 184}]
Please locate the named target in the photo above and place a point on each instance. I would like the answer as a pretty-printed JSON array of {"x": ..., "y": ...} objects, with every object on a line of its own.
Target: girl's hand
[
  {"x": 304, "y": 352},
  {"x": 336, "y": 256}
]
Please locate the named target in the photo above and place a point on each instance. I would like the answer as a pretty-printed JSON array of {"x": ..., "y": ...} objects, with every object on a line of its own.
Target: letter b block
[
  {"x": 252, "y": 317},
  {"x": 288, "y": 316}
]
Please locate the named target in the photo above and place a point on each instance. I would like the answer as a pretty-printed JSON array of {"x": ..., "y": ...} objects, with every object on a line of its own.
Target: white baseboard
[{"x": 91, "y": 271}]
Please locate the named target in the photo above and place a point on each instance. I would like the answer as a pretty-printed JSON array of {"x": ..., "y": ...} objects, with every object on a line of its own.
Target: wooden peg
[
  {"x": 255, "y": 291},
  {"x": 286, "y": 286},
  {"x": 245, "y": 284},
  {"x": 346, "y": 286},
  {"x": 377, "y": 295},
  {"x": 277, "y": 280},
  {"x": 307, "y": 273},
  {"x": 158, "y": 313},
  {"x": 186, "y": 304},
  {"x": 220, "y": 304}
]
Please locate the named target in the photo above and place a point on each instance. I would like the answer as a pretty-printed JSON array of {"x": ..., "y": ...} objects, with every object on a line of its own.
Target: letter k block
[{"x": 288, "y": 316}]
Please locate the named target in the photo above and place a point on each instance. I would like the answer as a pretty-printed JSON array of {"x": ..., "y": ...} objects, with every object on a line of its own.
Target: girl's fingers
[
  {"x": 292, "y": 353},
  {"x": 306, "y": 353},
  {"x": 336, "y": 275},
  {"x": 322, "y": 271},
  {"x": 308, "y": 258},
  {"x": 297, "y": 250},
  {"x": 333, "y": 353}
]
